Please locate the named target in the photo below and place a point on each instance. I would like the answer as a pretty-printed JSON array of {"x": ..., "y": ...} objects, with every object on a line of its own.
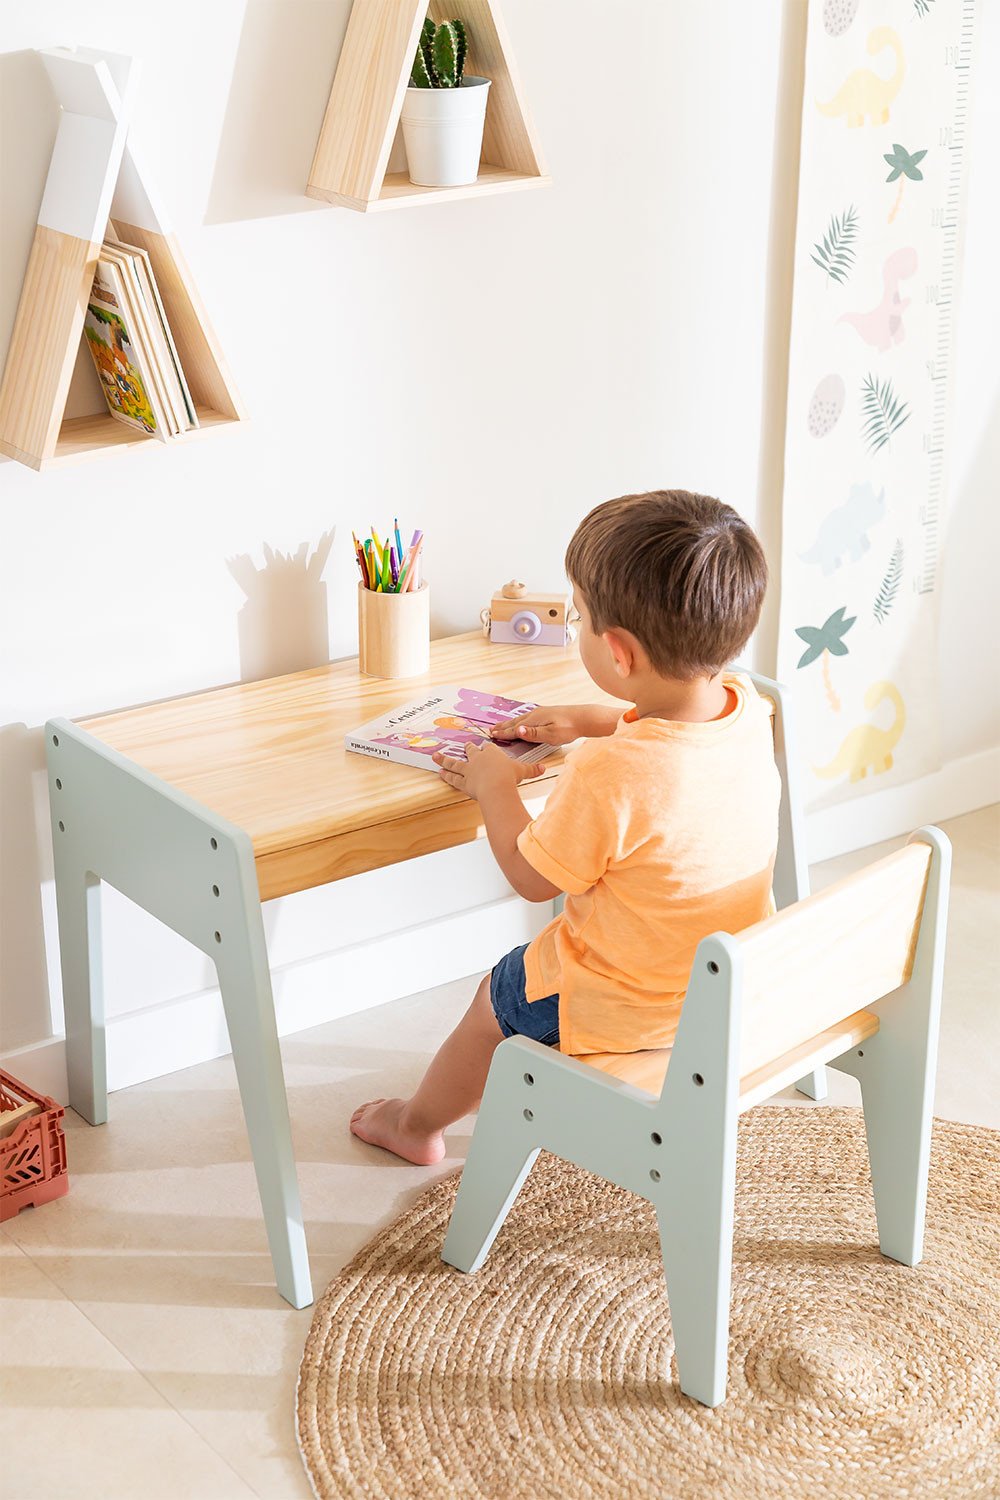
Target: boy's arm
[
  {"x": 489, "y": 776},
  {"x": 506, "y": 817},
  {"x": 562, "y": 725}
]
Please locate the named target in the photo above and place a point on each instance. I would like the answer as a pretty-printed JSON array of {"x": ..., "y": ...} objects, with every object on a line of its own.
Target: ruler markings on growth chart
[{"x": 957, "y": 60}]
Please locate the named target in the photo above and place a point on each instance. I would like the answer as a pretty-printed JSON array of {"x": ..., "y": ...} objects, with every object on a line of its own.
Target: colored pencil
[
  {"x": 385, "y": 566},
  {"x": 411, "y": 581}
]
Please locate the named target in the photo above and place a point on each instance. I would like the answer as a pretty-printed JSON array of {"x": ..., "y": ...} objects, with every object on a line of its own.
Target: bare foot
[{"x": 379, "y": 1123}]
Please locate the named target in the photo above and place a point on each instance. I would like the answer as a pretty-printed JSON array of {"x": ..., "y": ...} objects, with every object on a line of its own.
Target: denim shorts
[{"x": 515, "y": 1016}]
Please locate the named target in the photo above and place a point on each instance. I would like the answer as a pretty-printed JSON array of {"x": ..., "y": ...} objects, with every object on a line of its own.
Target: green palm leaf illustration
[
  {"x": 922, "y": 7},
  {"x": 884, "y": 413},
  {"x": 834, "y": 253},
  {"x": 889, "y": 586}
]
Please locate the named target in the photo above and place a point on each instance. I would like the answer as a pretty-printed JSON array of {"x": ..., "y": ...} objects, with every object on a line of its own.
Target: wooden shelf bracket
[
  {"x": 95, "y": 178},
  {"x": 350, "y": 167}
]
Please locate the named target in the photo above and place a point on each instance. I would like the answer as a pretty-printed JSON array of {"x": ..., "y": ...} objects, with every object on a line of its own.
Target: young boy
[{"x": 662, "y": 827}]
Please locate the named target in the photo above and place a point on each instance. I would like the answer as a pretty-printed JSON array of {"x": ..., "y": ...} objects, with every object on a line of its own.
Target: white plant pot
[{"x": 443, "y": 133}]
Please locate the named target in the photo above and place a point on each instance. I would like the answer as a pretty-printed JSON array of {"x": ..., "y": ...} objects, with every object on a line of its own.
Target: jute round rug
[{"x": 550, "y": 1372}]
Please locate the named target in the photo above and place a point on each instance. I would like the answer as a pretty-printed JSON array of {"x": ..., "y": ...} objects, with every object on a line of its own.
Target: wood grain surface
[{"x": 270, "y": 757}]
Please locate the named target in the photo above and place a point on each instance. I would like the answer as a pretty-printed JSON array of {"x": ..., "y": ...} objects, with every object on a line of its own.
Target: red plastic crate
[{"x": 33, "y": 1157}]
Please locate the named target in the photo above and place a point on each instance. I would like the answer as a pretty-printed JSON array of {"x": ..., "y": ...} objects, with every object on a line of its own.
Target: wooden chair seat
[{"x": 647, "y": 1070}]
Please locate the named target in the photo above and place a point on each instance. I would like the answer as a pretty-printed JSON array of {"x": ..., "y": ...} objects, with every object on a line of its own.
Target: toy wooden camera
[{"x": 518, "y": 618}]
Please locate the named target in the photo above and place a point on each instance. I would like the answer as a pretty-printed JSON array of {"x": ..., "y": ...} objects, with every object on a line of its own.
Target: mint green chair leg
[
  {"x": 195, "y": 872},
  {"x": 697, "y": 1115},
  {"x": 896, "y": 1069},
  {"x": 494, "y": 1174}
]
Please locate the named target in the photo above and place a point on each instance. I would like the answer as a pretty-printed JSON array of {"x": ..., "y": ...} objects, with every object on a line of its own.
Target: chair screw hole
[
  {"x": 218, "y": 937},
  {"x": 58, "y": 784},
  {"x": 860, "y": 1053},
  {"x": 55, "y": 739},
  {"x": 698, "y": 1079},
  {"x": 656, "y": 1138},
  {"x": 62, "y": 827},
  {"x": 528, "y": 1079},
  {"x": 713, "y": 967},
  {"x": 654, "y": 1174},
  {"x": 528, "y": 1114},
  {"x": 215, "y": 890},
  {"x": 214, "y": 843}
]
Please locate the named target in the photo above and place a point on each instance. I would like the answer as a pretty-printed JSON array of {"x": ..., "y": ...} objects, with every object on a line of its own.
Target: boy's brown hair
[{"x": 683, "y": 573}]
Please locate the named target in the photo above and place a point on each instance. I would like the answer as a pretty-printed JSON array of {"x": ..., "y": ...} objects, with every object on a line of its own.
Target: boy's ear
[{"x": 622, "y": 651}]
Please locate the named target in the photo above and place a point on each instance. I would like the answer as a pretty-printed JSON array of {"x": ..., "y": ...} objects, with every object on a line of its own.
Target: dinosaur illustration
[
  {"x": 868, "y": 747},
  {"x": 883, "y": 325},
  {"x": 864, "y": 93},
  {"x": 844, "y": 530}
]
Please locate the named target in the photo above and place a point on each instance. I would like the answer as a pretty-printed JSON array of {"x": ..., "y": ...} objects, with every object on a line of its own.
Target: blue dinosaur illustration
[{"x": 844, "y": 532}]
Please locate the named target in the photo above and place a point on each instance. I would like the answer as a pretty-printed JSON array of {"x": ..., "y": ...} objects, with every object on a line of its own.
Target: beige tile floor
[{"x": 144, "y": 1350}]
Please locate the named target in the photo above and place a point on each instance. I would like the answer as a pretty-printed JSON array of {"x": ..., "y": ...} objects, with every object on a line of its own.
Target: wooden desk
[
  {"x": 200, "y": 808},
  {"x": 269, "y": 756}
]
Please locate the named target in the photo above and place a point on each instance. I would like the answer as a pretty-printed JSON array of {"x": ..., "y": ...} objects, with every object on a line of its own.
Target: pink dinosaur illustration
[{"x": 883, "y": 325}]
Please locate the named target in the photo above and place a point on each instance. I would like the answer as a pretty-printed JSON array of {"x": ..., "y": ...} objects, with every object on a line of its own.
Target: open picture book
[{"x": 448, "y": 719}]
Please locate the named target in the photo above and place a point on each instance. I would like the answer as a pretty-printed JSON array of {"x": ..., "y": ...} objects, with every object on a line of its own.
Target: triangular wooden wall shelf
[
  {"x": 94, "y": 179},
  {"x": 352, "y": 154}
]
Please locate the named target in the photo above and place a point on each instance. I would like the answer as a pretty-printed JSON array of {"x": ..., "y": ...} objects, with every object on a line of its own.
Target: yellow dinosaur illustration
[
  {"x": 868, "y": 746},
  {"x": 864, "y": 92}
]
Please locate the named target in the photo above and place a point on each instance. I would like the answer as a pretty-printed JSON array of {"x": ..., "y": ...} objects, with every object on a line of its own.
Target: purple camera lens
[{"x": 526, "y": 626}]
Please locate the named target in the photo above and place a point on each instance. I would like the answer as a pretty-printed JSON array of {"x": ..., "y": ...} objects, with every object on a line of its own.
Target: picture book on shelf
[
  {"x": 448, "y": 719},
  {"x": 133, "y": 349},
  {"x": 116, "y": 347}
]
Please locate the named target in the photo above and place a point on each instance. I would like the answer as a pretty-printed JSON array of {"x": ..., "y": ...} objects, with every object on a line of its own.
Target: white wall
[{"x": 489, "y": 370}]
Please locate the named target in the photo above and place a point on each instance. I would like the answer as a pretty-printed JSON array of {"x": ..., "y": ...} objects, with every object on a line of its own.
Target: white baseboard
[
  {"x": 178, "y": 1033},
  {"x": 961, "y": 787}
]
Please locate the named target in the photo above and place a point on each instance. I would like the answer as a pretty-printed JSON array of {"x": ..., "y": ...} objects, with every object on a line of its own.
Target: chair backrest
[
  {"x": 815, "y": 963},
  {"x": 791, "y": 872}
]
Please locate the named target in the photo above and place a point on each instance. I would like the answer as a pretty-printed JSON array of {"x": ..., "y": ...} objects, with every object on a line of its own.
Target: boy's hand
[
  {"x": 486, "y": 771},
  {"x": 559, "y": 726},
  {"x": 542, "y": 726}
]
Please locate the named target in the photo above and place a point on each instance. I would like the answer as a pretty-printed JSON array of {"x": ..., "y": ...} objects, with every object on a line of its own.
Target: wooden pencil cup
[{"x": 394, "y": 632}]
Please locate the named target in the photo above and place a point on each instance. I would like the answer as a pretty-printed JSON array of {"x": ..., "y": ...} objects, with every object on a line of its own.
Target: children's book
[
  {"x": 449, "y": 719},
  {"x": 116, "y": 346},
  {"x": 173, "y": 372},
  {"x": 144, "y": 337}
]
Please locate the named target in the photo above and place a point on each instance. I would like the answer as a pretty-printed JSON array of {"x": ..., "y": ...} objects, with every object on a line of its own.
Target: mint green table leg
[
  {"x": 78, "y": 907},
  {"x": 195, "y": 872},
  {"x": 245, "y": 982}
]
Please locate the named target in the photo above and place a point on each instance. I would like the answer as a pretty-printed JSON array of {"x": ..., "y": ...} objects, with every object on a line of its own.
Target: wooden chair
[{"x": 849, "y": 977}]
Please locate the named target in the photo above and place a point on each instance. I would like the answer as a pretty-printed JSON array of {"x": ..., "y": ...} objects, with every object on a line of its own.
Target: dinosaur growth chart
[{"x": 881, "y": 180}]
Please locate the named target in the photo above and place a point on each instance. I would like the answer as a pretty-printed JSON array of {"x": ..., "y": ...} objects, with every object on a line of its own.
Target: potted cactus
[{"x": 444, "y": 111}]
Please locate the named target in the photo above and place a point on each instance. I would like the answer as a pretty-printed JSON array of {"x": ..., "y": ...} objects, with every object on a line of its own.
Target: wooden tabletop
[{"x": 270, "y": 757}]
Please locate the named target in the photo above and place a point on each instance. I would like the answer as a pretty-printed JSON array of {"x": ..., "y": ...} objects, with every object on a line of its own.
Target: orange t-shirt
[{"x": 659, "y": 834}]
